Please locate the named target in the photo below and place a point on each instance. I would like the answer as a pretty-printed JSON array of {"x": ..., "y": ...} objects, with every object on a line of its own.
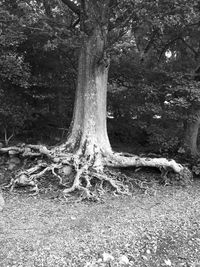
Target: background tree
[{"x": 165, "y": 45}]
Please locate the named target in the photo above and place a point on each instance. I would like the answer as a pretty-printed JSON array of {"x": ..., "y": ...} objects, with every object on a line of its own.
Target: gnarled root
[
  {"x": 87, "y": 168},
  {"x": 28, "y": 150},
  {"x": 183, "y": 174},
  {"x": 87, "y": 176},
  {"x": 29, "y": 177}
]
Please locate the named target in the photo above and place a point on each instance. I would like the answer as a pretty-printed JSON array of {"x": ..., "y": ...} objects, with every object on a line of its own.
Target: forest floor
[{"x": 158, "y": 228}]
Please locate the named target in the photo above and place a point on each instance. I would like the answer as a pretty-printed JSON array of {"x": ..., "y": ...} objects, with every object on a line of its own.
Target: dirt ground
[{"x": 159, "y": 229}]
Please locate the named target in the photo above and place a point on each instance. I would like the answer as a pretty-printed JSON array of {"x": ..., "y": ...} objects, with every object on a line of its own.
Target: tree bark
[
  {"x": 191, "y": 135},
  {"x": 88, "y": 131}
]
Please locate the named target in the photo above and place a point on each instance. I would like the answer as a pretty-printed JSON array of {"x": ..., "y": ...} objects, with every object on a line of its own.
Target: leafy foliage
[
  {"x": 154, "y": 48},
  {"x": 12, "y": 65}
]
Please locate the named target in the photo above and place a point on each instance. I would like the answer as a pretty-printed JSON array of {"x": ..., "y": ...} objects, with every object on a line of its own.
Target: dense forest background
[{"x": 153, "y": 91}]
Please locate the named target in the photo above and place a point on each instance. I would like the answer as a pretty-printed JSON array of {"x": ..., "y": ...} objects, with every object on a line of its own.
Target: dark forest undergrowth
[{"x": 155, "y": 227}]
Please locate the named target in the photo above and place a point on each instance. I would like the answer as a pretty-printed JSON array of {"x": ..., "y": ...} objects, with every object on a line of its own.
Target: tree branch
[
  {"x": 72, "y": 6},
  {"x": 167, "y": 45},
  {"x": 150, "y": 43},
  {"x": 189, "y": 46},
  {"x": 76, "y": 23}
]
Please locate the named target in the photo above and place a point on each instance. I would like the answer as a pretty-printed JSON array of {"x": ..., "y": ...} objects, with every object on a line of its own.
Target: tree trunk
[
  {"x": 87, "y": 149},
  {"x": 88, "y": 131},
  {"x": 2, "y": 202},
  {"x": 191, "y": 135}
]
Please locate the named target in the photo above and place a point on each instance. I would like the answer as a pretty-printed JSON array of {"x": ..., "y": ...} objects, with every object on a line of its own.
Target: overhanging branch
[
  {"x": 171, "y": 42},
  {"x": 150, "y": 43},
  {"x": 190, "y": 47}
]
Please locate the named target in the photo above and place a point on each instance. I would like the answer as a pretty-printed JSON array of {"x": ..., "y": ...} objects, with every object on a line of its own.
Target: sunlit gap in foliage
[{"x": 170, "y": 54}]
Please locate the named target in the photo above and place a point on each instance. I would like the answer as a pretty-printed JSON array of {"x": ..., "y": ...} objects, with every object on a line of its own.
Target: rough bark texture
[
  {"x": 191, "y": 135},
  {"x": 88, "y": 129}
]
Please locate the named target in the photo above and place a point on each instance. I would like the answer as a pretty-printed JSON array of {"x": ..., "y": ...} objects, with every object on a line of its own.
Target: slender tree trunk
[
  {"x": 88, "y": 131},
  {"x": 191, "y": 135}
]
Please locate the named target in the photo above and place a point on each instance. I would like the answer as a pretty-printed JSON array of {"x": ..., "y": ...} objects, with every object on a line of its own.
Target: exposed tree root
[
  {"x": 118, "y": 187},
  {"x": 120, "y": 160},
  {"x": 27, "y": 150},
  {"x": 86, "y": 169},
  {"x": 163, "y": 164}
]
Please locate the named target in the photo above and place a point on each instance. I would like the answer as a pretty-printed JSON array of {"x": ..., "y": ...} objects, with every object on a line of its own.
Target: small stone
[
  {"x": 123, "y": 260},
  {"x": 23, "y": 180},
  {"x": 107, "y": 257},
  {"x": 56, "y": 160},
  {"x": 67, "y": 170}
]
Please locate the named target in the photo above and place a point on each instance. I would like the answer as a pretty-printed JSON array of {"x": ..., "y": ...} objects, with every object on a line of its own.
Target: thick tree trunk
[
  {"x": 88, "y": 131},
  {"x": 87, "y": 149},
  {"x": 191, "y": 135}
]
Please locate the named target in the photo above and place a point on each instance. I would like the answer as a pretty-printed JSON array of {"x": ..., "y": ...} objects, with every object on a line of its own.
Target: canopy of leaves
[{"x": 154, "y": 49}]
